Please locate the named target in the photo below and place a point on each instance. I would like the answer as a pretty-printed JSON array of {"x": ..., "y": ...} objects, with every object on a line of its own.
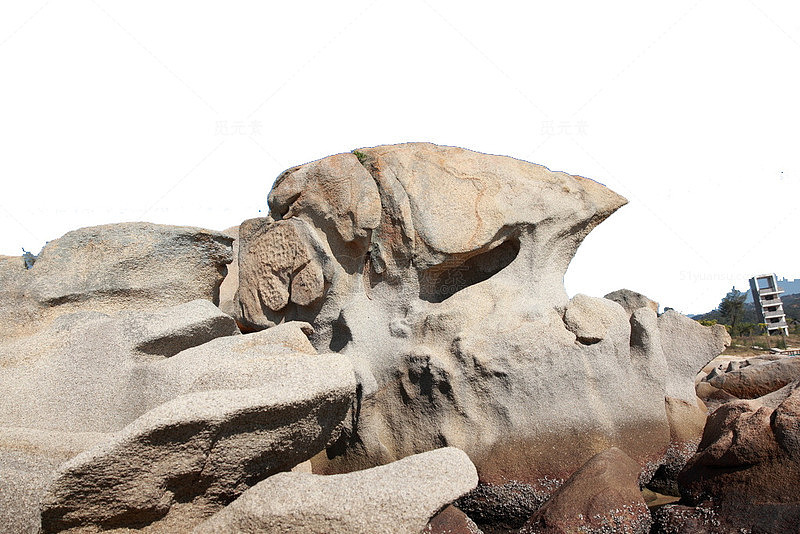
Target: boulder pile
[{"x": 390, "y": 350}]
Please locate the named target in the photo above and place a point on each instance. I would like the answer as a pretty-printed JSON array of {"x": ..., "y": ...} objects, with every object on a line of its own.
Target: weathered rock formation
[
  {"x": 114, "y": 420},
  {"x": 439, "y": 271},
  {"x": 206, "y": 447},
  {"x": 748, "y": 464},
  {"x": 127, "y": 266},
  {"x": 397, "y": 300},
  {"x": 755, "y": 377},
  {"x": 396, "y": 498}
]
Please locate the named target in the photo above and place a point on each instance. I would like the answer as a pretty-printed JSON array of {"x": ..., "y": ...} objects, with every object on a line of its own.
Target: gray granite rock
[
  {"x": 206, "y": 446},
  {"x": 399, "y": 497},
  {"x": 92, "y": 372},
  {"x": 125, "y": 266},
  {"x": 28, "y": 458},
  {"x": 631, "y": 300}
]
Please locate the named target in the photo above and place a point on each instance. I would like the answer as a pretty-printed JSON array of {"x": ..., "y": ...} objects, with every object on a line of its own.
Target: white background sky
[{"x": 185, "y": 112}]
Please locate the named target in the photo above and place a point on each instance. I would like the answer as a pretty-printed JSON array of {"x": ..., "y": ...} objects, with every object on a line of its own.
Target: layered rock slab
[
  {"x": 109, "y": 268},
  {"x": 206, "y": 446},
  {"x": 93, "y": 372},
  {"x": 755, "y": 377},
  {"x": 186, "y": 410},
  {"x": 396, "y": 498}
]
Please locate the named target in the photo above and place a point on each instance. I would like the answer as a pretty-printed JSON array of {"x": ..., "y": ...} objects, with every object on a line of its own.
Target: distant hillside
[{"x": 791, "y": 305}]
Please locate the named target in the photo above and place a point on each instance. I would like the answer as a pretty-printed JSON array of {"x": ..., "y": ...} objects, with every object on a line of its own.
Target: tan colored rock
[
  {"x": 602, "y": 496},
  {"x": 754, "y": 377},
  {"x": 452, "y": 307},
  {"x": 396, "y": 498},
  {"x": 336, "y": 189},
  {"x": 279, "y": 268},
  {"x": 126, "y": 266},
  {"x": 631, "y": 300},
  {"x": 229, "y": 286}
]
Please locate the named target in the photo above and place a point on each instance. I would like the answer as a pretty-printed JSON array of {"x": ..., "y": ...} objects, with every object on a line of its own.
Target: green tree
[{"x": 731, "y": 308}]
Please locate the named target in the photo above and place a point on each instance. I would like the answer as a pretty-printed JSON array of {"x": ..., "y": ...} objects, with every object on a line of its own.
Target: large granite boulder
[
  {"x": 93, "y": 372},
  {"x": 126, "y": 266},
  {"x": 748, "y": 464},
  {"x": 439, "y": 272},
  {"x": 396, "y": 498},
  {"x": 167, "y": 408},
  {"x": 687, "y": 346},
  {"x": 205, "y": 447}
]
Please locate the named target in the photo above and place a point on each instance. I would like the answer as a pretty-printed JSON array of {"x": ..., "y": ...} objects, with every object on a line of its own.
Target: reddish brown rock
[
  {"x": 451, "y": 520},
  {"x": 278, "y": 270},
  {"x": 748, "y": 465},
  {"x": 753, "y": 379},
  {"x": 602, "y": 496}
]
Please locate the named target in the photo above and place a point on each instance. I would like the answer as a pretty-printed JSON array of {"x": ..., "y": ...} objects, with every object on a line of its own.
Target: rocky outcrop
[
  {"x": 755, "y": 377},
  {"x": 127, "y": 266},
  {"x": 602, "y": 496},
  {"x": 439, "y": 272},
  {"x": 181, "y": 407},
  {"x": 205, "y": 447},
  {"x": 429, "y": 278},
  {"x": 92, "y": 372},
  {"x": 748, "y": 464},
  {"x": 396, "y": 498},
  {"x": 631, "y": 300}
]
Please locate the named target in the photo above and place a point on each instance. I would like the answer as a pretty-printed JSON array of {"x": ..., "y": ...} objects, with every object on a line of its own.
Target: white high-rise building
[{"x": 767, "y": 300}]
